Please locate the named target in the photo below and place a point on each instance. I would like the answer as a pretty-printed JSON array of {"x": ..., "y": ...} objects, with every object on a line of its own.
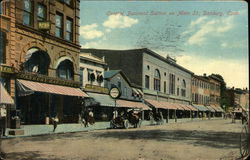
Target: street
[{"x": 201, "y": 140}]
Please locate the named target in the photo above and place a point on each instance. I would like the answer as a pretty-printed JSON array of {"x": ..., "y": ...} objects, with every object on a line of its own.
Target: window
[
  {"x": 59, "y": 25},
  {"x": 178, "y": 90},
  {"x": 27, "y": 13},
  {"x": 183, "y": 92},
  {"x": 171, "y": 84},
  {"x": 38, "y": 62},
  {"x": 157, "y": 80},
  {"x": 165, "y": 87},
  {"x": 41, "y": 12},
  {"x": 193, "y": 97},
  {"x": 90, "y": 72},
  {"x": 65, "y": 70},
  {"x": 69, "y": 29},
  {"x": 81, "y": 76},
  {"x": 2, "y": 47},
  {"x": 183, "y": 83},
  {"x": 125, "y": 92},
  {"x": 68, "y": 2},
  {"x": 146, "y": 81},
  {"x": 148, "y": 67},
  {"x": 119, "y": 84}
]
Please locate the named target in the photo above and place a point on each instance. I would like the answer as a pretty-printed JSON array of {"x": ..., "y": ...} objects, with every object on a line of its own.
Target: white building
[{"x": 91, "y": 70}]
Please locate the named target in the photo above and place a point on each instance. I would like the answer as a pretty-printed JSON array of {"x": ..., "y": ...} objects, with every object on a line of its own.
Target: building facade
[
  {"x": 43, "y": 50},
  {"x": 159, "y": 78},
  {"x": 116, "y": 78},
  {"x": 91, "y": 70},
  {"x": 200, "y": 90}
]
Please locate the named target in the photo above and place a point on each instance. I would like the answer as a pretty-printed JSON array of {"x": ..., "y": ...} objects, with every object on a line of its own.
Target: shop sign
[
  {"x": 96, "y": 88},
  {"x": 115, "y": 92},
  {"x": 46, "y": 79},
  {"x": 44, "y": 25},
  {"x": 6, "y": 69}
]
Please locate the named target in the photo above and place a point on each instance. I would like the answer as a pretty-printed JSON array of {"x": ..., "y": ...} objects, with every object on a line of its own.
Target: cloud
[
  {"x": 203, "y": 28},
  {"x": 90, "y": 31},
  {"x": 235, "y": 73},
  {"x": 119, "y": 21}
]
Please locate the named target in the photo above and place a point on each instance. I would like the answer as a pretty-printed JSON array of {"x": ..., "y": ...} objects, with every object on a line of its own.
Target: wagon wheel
[{"x": 244, "y": 141}]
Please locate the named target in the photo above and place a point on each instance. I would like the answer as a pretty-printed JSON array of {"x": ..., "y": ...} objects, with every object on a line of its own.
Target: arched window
[
  {"x": 157, "y": 80},
  {"x": 65, "y": 70},
  {"x": 183, "y": 83},
  {"x": 37, "y": 61}
]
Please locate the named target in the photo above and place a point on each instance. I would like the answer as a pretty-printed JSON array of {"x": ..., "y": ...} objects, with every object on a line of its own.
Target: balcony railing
[{"x": 5, "y": 7}]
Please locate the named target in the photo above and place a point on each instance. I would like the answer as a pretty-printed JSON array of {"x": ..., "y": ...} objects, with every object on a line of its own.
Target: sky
[{"x": 203, "y": 36}]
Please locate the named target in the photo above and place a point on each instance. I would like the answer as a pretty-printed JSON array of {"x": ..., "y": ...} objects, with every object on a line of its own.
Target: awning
[
  {"x": 185, "y": 107},
  {"x": 200, "y": 107},
  {"x": 191, "y": 108},
  {"x": 132, "y": 104},
  {"x": 5, "y": 98},
  {"x": 163, "y": 104},
  {"x": 103, "y": 99},
  {"x": 217, "y": 108},
  {"x": 27, "y": 87},
  {"x": 210, "y": 108}
]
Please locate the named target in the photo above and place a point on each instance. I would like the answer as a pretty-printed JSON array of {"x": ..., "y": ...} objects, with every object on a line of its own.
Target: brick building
[{"x": 42, "y": 49}]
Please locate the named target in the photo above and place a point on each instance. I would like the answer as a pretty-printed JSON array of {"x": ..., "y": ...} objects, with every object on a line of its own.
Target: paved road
[{"x": 204, "y": 140}]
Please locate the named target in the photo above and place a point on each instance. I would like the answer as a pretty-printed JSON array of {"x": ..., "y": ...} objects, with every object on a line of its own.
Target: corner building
[{"x": 44, "y": 52}]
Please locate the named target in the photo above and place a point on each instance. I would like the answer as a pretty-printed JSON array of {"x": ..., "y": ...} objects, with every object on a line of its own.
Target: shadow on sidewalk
[
  {"x": 28, "y": 155},
  {"x": 197, "y": 138}
]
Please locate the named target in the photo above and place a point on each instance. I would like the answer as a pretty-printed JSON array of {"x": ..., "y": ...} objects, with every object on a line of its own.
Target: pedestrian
[
  {"x": 2, "y": 120},
  {"x": 55, "y": 121}
]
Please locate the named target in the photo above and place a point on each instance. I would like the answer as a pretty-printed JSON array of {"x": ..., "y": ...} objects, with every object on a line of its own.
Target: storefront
[
  {"x": 38, "y": 102},
  {"x": 105, "y": 106}
]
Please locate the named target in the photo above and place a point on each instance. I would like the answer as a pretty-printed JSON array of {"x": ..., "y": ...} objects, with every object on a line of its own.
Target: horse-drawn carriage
[{"x": 126, "y": 120}]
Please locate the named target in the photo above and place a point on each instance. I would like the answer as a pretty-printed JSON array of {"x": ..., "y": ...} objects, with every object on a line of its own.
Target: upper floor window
[
  {"x": 37, "y": 61},
  {"x": 2, "y": 47},
  {"x": 165, "y": 87},
  {"x": 125, "y": 92},
  {"x": 69, "y": 29},
  {"x": 147, "y": 81},
  {"x": 28, "y": 13},
  {"x": 171, "y": 83},
  {"x": 81, "y": 76},
  {"x": 41, "y": 12},
  {"x": 91, "y": 75},
  {"x": 59, "y": 25},
  {"x": 68, "y": 2},
  {"x": 157, "y": 80},
  {"x": 183, "y": 83},
  {"x": 65, "y": 70}
]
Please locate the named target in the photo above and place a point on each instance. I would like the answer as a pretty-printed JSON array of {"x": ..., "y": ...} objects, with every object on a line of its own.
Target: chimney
[{"x": 204, "y": 74}]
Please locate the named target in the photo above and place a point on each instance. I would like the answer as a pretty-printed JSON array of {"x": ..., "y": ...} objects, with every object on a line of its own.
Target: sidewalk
[{"x": 35, "y": 130}]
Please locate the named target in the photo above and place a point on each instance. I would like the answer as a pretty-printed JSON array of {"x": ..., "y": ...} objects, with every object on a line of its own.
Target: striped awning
[
  {"x": 5, "y": 98},
  {"x": 28, "y": 87},
  {"x": 103, "y": 99},
  {"x": 200, "y": 107},
  {"x": 211, "y": 109},
  {"x": 132, "y": 104},
  {"x": 163, "y": 104},
  {"x": 191, "y": 108},
  {"x": 217, "y": 108}
]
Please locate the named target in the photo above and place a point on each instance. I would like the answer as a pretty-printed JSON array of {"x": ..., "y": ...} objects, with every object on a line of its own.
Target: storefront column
[{"x": 175, "y": 115}]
